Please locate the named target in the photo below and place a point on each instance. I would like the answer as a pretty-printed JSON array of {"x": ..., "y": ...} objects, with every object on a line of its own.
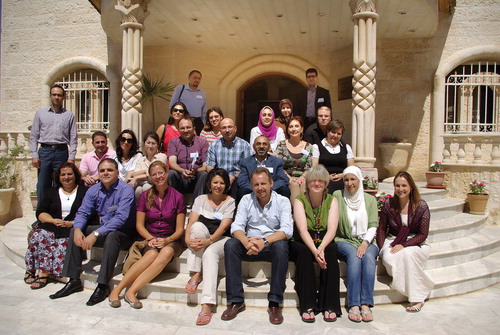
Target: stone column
[
  {"x": 364, "y": 17},
  {"x": 134, "y": 12}
]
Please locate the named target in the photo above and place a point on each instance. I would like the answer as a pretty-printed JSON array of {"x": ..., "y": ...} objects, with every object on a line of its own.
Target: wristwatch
[
  {"x": 266, "y": 242},
  {"x": 96, "y": 233}
]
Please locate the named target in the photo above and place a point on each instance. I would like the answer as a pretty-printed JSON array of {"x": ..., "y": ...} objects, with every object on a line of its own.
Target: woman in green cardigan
[{"x": 358, "y": 221}]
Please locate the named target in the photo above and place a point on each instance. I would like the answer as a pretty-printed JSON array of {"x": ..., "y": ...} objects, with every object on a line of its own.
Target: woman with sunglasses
[
  {"x": 211, "y": 132},
  {"x": 127, "y": 155},
  {"x": 169, "y": 130}
]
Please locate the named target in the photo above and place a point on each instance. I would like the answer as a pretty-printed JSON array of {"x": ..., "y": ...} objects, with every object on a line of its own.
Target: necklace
[
  {"x": 70, "y": 193},
  {"x": 316, "y": 224}
]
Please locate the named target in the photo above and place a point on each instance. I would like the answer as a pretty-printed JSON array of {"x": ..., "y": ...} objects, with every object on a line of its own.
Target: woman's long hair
[
  {"x": 208, "y": 125},
  {"x": 134, "y": 149},
  {"x": 178, "y": 103},
  {"x": 153, "y": 192},
  {"x": 414, "y": 194}
]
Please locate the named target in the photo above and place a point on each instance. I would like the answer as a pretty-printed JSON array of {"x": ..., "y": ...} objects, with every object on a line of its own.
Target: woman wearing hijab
[
  {"x": 266, "y": 127},
  {"x": 358, "y": 221},
  {"x": 286, "y": 109}
]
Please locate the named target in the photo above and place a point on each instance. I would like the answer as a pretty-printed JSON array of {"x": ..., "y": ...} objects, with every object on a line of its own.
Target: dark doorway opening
[{"x": 265, "y": 90}]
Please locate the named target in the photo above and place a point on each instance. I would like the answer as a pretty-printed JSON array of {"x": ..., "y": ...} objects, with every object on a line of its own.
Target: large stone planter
[
  {"x": 477, "y": 203},
  {"x": 5, "y": 200},
  {"x": 435, "y": 179},
  {"x": 395, "y": 156}
]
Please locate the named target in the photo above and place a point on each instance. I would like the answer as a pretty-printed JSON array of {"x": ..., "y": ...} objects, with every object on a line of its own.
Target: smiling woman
[{"x": 266, "y": 127}]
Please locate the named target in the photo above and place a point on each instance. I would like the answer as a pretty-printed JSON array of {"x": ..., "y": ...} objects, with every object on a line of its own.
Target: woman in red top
[{"x": 171, "y": 129}]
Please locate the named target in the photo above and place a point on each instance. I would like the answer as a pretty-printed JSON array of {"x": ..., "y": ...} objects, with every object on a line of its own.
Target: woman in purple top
[{"x": 161, "y": 213}]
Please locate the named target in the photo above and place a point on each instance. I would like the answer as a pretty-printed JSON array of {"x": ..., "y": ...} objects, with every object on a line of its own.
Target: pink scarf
[{"x": 269, "y": 132}]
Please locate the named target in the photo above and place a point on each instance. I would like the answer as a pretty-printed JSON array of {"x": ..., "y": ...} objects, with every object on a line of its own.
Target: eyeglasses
[
  {"x": 128, "y": 140},
  {"x": 311, "y": 76},
  {"x": 214, "y": 117},
  {"x": 177, "y": 110}
]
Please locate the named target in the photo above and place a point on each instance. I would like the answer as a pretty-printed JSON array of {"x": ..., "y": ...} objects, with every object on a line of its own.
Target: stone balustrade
[{"x": 476, "y": 149}]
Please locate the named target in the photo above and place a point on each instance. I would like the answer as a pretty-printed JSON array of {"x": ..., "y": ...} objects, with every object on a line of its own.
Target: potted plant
[
  {"x": 477, "y": 198},
  {"x": 34, "y": 199},
  {"x": 382, "y": 198},
  {"x": 370, "y": 185},
  {"x": 7, "y": 178},
  {"x": 435, "y": 176},
  {"x": 394, "y": 153}
]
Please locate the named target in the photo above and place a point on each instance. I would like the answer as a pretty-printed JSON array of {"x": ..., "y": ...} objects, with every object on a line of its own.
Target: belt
[{"x": 54, "y": 146}]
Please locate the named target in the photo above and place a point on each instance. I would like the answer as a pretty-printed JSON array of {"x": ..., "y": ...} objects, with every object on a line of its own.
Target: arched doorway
[{"x": 264, "y": 90}]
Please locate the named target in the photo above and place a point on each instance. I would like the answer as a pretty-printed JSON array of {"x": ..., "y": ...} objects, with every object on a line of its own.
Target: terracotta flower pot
[
  {"x": 372, "y": 192},
  {"x": 435, "y": 179},
  {"x": 477, "y": 203}
]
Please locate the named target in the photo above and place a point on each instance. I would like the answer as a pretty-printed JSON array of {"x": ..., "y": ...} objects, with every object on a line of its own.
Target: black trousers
[
  {"x": 112, "y": 243},
  {"x": 328, "y": 296}
]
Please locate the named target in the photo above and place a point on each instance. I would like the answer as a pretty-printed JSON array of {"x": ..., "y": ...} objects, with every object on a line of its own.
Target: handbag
[{"x": 134, "y": 254}]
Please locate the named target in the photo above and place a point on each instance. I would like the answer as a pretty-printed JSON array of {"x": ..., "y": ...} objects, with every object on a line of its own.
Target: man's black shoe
[
  {"x": 99, "y": 295},
  {"x": 72, "y": 286}
]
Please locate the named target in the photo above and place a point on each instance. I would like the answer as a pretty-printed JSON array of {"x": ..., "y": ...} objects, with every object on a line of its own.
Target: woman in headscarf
[
  {"x": 286, "y": 108},
  {"x": 266, "y": 127},
  {"x": 358, "y": 221}
]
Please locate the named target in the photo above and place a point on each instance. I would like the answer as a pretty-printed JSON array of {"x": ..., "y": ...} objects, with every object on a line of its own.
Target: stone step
[
  {"x": 454, "y": 227},
  {"x": 445, "y": 208}
]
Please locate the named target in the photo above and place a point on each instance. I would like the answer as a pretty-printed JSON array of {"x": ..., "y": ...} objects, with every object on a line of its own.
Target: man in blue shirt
[
  {"x": 114, "y": 202},
  {"x": 262, "y": 226}
]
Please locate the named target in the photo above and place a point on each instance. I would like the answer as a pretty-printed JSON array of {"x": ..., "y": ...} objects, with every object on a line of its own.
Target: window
[
  {"x": 87, "y": 96},
  {"x": 473, "y": 99}
]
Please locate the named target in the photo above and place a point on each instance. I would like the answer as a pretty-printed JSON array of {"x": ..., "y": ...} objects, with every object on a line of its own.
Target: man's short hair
[
  {"x": 108, "y": 160},
  {"x": 188, "y": 118},
  {"x": 194, "y": 71},
  {"x": 311, "y": 70},
  {"x": 58, "y": 86},
  {"x": 260, "y": 170},
  {"x": 334, "y": 125},
  {"x": 99, "y": 133}
]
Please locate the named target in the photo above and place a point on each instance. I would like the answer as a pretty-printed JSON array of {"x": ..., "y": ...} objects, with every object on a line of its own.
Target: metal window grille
[
  {"x": 87, "y": 95},
  {"x": 473, "y": 98}
]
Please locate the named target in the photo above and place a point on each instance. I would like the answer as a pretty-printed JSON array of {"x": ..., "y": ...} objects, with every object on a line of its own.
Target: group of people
[{"x": 294, "y": 195}]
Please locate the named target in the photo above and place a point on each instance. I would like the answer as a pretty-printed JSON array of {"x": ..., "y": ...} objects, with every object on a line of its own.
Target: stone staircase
[{"x": 465, "y": 257}]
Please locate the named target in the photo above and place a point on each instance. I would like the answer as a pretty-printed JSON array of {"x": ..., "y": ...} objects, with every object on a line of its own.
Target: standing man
[
  {"x": 187, "y": 159},
  {"x": 262, "y": 158},
  {"x": 194, "y": 98},
  {"x": 89, "y": 162},
  {"x": 54, "y": 128},
  {"x": 317, "y": 131},
  {"x": 226, "y": 153},
  {"x": 113, "y": 200},
  {"x": 311, "y": 99},
  {"x": 262, "y": 226}
]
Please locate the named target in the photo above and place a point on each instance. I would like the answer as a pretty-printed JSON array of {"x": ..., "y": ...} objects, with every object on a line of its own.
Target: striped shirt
[{"x": 210, "y": 136}]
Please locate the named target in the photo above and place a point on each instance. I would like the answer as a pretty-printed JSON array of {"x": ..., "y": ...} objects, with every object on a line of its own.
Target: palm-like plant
[{"x": 155, "y": 88}]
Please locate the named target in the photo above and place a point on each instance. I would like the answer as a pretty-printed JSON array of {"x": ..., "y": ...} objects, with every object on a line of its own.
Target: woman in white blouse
[
  {"x": 127, "y": 154},
  {"x": 266, "y": 127}
]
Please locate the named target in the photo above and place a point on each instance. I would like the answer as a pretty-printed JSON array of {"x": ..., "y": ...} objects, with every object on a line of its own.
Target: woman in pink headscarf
[{"x": 268, "y": 128}]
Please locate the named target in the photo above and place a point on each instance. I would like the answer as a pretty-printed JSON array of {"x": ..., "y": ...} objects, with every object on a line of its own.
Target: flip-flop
[
  {"x": 367, "y": 316},
  {"x": 201, "y": 322},
  {"x": 29, "y": 277},
  {"x": 414, "y": 308},
  {"x": 308, "y": 312},
  {"x": 356, "y": 315},
  {"x": 194, "y": 284},
  {"x": 329, "y": 318}
]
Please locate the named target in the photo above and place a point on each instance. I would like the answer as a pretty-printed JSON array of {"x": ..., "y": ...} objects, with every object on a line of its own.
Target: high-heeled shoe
[{"x": 136, "y": 305}]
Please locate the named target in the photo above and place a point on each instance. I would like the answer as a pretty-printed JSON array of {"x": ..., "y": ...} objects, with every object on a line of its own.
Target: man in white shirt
[{"x": 262, "y": 226}]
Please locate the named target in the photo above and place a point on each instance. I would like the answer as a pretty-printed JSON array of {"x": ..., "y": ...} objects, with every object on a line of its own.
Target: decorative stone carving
[
  {"x": 364, "y": 17},
  {"x": 134, "y": 12}
]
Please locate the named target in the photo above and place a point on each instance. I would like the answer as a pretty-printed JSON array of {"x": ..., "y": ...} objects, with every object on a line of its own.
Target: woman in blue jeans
[{"x": 358, "y": 221}]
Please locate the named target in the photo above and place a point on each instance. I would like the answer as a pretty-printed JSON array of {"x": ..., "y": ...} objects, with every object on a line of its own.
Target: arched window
[
  {"x": 473, "y": 98},
  {"x": 87, "y": 96}
]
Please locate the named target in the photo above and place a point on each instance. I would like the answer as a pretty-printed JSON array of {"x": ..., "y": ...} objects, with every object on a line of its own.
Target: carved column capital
[
  {"x": 362, "y": 6},
  {"x": 134, "y": 12}
]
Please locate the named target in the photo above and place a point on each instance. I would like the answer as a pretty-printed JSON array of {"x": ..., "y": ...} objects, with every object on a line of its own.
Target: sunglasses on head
[
  {"x": 128, "y": 140},
  {"x": 177, "y": 110}
]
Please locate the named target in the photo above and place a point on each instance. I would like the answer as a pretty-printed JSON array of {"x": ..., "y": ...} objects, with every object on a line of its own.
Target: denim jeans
[
  {"x": 276, "y": 253},
  {"x": 360, "y": 273},
  {"x": 50, "y": 160}
]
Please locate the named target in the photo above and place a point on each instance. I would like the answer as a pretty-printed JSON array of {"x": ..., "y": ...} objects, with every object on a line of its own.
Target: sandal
[
  {"x": 354, "y": 315},
  {"x": 415, "y": 308},
  {"x": 204, "y": 319},
  {"x": 39, "y": 283},
  {"x": 311, "y": 318},
  {"x": 329, "y": 318},
  {"x": 367, "y": 315},
  {"x": 29, "y": 277},
  {"x": 194, "y": 284}
]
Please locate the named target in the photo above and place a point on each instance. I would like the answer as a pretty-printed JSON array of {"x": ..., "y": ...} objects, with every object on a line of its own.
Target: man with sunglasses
[
  {"x": 194, "y": 98},
  {"x": 54, "y": 128}
]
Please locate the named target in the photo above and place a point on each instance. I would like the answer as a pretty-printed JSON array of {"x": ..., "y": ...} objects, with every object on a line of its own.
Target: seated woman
[
  {"x": 140, "y": 175},
  {"x": 286, "y": 109},
  {"x": 334, "y": 154},
  {"x": 161, "y": 212},
  {"x": 316, "y": 217},
  {"x": 169, "y": 130},
  {"x": 211, "y": 131},
  {"x": 127, "y": 155},
  {"x": 297, "y": 156},
  {"x": 358, "y": 220},
  {"x": 206, "y": 234},
  {"x": 266, "y": 127},
  {"x": 47, "y": 243},
  {"x": 401, "y": 237}
]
